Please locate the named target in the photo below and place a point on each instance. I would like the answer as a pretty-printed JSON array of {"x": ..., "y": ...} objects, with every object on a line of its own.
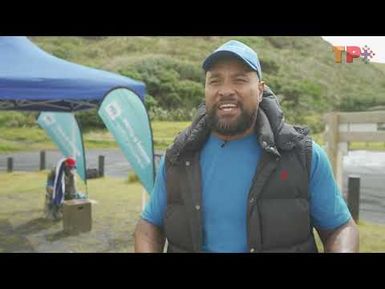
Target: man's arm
[
  {"x": 343, "y": 239},
  {"x": 148, "y": 238}
]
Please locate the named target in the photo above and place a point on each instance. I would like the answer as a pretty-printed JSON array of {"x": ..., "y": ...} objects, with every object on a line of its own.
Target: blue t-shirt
[{"x": 227, "y": 173}]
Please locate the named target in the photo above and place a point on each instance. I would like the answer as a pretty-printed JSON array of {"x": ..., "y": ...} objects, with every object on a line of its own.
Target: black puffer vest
[{"x": 278, "y": 213}]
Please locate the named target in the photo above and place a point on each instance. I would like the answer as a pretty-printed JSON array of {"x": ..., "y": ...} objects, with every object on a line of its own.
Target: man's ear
[{"x": 261, "y": 87}]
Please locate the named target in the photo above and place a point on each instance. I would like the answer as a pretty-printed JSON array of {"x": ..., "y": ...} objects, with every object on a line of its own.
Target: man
[
  {"x": 240, "y": 179},
  {"x": 61, "y": 186}
]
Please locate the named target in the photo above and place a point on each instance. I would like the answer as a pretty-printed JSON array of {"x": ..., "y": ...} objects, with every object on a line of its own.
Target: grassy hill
[
  {"x": 301, "y": 70},
  {"x": 284, "y": 59}
]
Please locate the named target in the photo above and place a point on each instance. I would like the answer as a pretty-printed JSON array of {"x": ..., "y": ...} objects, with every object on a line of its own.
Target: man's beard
[{"x": 234, "y": 127}]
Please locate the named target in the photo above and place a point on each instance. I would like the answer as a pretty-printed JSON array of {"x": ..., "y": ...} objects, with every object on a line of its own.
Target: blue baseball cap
[{"x": 239, "y": 50}]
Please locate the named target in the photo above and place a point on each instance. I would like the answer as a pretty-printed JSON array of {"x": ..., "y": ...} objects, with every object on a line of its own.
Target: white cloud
[{"x": 375, "y": 43}]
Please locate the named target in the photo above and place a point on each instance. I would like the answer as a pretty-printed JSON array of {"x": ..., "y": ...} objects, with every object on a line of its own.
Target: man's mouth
[{"x": 228, "y": 107}]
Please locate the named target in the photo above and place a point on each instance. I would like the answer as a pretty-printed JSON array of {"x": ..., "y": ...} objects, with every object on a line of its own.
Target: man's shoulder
[
  {"x": 190, "y": 137},
  {"x": 320, "y": 159},
  {"x": 173, "y": 150},
  {"x": 318, "y": 149}
]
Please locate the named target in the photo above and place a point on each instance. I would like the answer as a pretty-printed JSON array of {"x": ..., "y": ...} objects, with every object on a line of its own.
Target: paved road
[
  {"x": 116, "y": 164},
  {"x": 370, "y": 166}
]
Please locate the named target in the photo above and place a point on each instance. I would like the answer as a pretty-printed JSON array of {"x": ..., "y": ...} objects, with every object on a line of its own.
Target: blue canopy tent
[{"x": 33, "y": 80}]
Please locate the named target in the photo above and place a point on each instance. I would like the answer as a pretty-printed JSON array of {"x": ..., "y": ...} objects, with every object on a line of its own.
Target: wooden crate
[{"x": 77, "y": 216}]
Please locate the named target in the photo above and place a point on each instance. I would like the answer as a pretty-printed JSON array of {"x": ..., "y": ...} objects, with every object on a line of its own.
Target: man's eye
[
  {"x": 215, "y": 81},
  {"x": 240, "y": 80}
]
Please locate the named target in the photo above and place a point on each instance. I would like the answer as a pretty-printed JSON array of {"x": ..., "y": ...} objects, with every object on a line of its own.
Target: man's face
[
  {"x": 70, "y": 171},
  {"x": 232, "y": 94}
]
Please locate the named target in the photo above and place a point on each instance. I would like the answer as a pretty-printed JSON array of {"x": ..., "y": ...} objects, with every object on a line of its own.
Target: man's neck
[{"x": 250, "y": 130}]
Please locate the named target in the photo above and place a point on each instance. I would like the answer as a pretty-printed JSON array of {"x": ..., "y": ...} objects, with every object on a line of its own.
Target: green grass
[
  {"x": 370, "y": 146},
  {"x": 372, "y": 237},
  {"x": 23, "y": 138},
  {"x": 26, "y": 134},
  {"x": 23, "y": 228},
  {"x": 164, "y": 132},
  {"x": 34, "y": 138}
]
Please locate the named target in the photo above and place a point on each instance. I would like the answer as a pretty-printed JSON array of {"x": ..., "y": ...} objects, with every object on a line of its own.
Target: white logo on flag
[
  {"x": 113, "y": 110},
  {"x": 48, "y": 119}
]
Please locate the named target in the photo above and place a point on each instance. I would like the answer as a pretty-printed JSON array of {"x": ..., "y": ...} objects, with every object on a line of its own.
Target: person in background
[{"x": 61, "y": 185}]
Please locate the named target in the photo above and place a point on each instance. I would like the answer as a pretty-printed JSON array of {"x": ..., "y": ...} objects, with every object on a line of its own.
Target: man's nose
[{"x": 226, "y": 90}]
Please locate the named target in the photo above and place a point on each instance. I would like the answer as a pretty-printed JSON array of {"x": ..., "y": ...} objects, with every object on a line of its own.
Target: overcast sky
[{"x": 375, "y": 43}]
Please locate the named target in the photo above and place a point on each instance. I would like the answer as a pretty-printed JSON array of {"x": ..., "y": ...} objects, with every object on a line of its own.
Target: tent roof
[{"x": 32, "y": 79}]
